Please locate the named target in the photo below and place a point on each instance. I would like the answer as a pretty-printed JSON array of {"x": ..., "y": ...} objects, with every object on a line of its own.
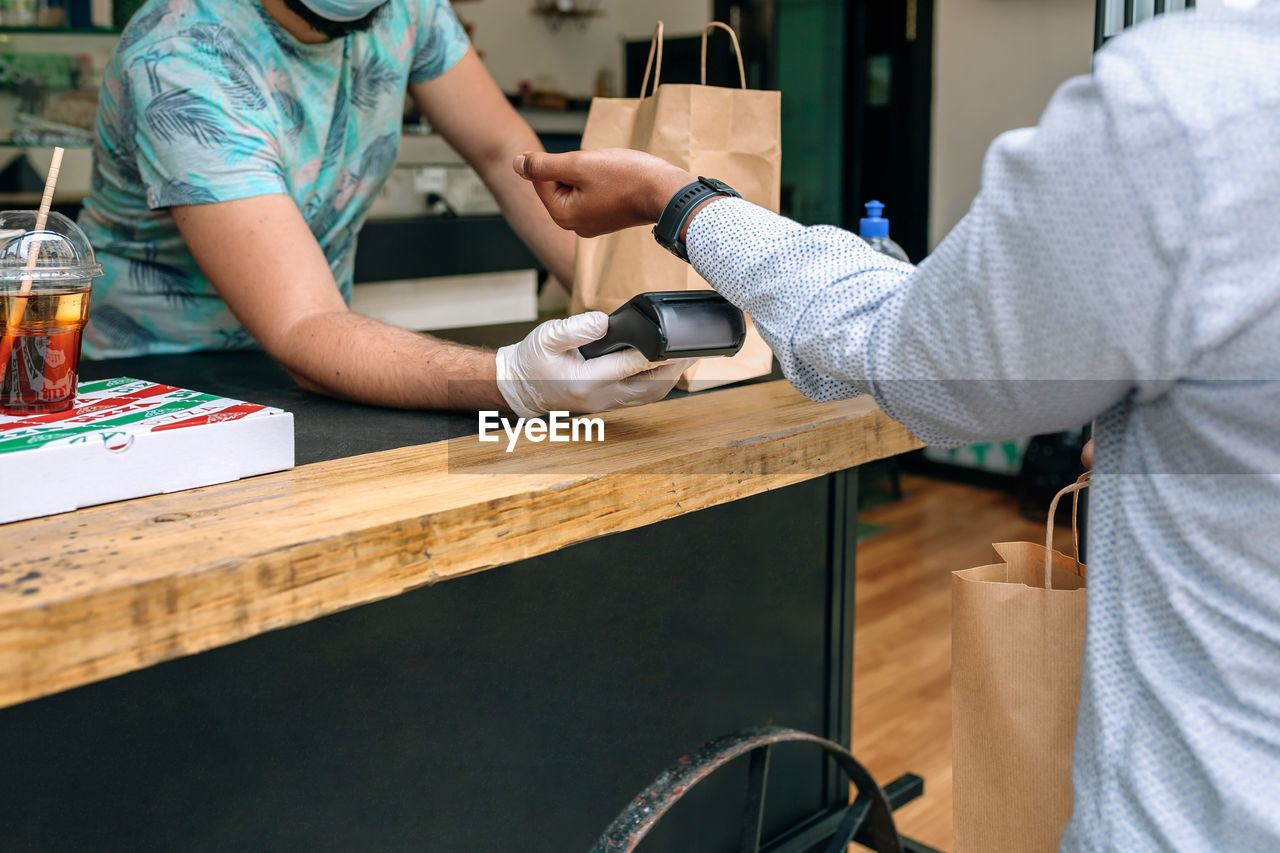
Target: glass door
[{"x": 1116, "y": 15}]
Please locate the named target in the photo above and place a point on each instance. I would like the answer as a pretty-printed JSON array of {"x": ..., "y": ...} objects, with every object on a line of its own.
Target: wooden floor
[{"x": 902, "y": 639}]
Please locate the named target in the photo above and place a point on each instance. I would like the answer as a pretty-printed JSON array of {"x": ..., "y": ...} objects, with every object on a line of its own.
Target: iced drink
[
  {"x": 40, "y": 345},
  {"x": 45, "y": 277}
]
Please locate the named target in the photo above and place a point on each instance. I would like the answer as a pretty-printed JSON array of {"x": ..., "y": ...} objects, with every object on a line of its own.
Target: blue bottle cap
[{"x": 873, "y": 225}]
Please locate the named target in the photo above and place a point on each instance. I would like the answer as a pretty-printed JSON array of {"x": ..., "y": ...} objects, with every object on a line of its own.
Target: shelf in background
[
  {"x": 61, "y": 31},
  {"x": 9, "y": 143}
]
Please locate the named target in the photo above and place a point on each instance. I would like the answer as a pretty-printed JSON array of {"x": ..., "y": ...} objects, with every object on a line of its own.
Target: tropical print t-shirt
[{"x": 211, "y": 100}]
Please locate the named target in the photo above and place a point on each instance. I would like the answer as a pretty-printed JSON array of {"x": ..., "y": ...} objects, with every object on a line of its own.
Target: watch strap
[{"x": 681, "y": 206}]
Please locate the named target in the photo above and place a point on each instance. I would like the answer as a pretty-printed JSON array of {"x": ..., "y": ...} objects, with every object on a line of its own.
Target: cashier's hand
[
  {"x": 596, "y": 192},
  {"x": 546, "y": 373}
]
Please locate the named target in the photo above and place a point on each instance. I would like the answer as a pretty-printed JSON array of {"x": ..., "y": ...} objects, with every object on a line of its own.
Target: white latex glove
[{"x": 545, "y": 372}]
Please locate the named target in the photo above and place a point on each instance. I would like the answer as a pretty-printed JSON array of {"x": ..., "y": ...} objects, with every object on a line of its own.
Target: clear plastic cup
[{"x": 43, "y": 310}]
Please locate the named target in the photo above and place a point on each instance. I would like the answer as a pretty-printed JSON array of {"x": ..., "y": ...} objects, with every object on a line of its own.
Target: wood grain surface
[{"x": 105, "y": 590}]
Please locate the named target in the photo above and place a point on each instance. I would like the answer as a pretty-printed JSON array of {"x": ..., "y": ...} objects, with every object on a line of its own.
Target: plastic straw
[{"x": 19, "y": 306}]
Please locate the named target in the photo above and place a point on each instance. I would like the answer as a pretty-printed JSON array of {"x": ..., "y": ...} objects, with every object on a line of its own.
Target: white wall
[
  {"x": 679, "y": 17},
  {"x": 520, "y": 46},
  {"x": 996, "y": 63}
]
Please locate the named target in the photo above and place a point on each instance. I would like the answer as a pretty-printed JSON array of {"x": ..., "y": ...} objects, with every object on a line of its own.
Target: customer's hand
[
  {"x": 1086, "y": 455},
  {"x": 597, "y": 192},
  {"x": 545, "y": 372}
]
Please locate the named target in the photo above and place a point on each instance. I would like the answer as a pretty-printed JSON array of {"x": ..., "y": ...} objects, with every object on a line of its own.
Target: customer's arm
[{"x": 1041, "y": 309}]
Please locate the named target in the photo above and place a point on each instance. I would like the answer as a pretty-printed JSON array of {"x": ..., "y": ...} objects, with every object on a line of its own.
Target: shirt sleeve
[
  {"x": 205, "y": 126},
  {"x": 1041, "y": 309},
  {"x": 439, "y": 43}
]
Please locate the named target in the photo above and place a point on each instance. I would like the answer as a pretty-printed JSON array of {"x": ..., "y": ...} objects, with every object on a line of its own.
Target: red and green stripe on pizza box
[{"x": 126, "y": 438}]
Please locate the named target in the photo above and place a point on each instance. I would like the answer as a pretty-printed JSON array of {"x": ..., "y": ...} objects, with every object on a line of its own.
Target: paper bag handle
[
  {"x": 1074, "y": 490},
  {"x": 737, "y": 50},
  {"x": 655, "y": 49}
]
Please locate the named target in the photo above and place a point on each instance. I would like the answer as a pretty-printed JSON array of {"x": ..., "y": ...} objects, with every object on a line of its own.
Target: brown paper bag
[
  {"x": 731, "y": 134},
  {"x": 1016, "y": 648}
]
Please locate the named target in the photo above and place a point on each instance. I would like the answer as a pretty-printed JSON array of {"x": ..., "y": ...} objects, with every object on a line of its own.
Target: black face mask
[{"x": 332, "y": 29}]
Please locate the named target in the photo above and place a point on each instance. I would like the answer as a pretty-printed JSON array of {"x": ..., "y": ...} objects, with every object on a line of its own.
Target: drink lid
[{"x": 61, "y": 249}]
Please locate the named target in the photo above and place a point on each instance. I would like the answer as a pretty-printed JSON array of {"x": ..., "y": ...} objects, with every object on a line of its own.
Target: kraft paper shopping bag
[
  {"x": 731, "y": 134},
  {"x": 1017, "y": 640}
]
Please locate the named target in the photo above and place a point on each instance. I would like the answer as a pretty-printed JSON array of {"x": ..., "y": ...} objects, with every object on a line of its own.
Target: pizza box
[{"x": 126, "y": 438}]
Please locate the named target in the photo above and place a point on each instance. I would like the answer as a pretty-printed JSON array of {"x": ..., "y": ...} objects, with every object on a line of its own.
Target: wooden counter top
[{"x": 110, "y": 589}]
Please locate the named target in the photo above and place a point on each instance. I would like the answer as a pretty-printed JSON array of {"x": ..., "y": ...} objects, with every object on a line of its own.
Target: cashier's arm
[
  {"x": 468, "y": 109},
  {"x": 263, "y": 260}
]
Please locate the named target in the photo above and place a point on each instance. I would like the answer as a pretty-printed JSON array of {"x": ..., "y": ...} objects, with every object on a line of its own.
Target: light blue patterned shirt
[
  {"x": 211, "y": 100},
  {"x": 1121, "y": 262}
]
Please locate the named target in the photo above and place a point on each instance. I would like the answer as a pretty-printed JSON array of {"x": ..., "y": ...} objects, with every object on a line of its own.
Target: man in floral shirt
[{"x": 240, "y": 144}]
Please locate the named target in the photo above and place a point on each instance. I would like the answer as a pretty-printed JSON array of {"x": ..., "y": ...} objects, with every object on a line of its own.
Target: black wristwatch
[{"x": 680, "y": 208}]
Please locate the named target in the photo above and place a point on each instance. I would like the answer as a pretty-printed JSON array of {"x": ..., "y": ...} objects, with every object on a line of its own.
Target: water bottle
[{"x": 875, "y": 230}]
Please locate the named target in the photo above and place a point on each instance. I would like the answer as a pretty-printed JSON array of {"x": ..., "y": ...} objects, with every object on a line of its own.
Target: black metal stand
[{"x": 868, "y": 820}]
